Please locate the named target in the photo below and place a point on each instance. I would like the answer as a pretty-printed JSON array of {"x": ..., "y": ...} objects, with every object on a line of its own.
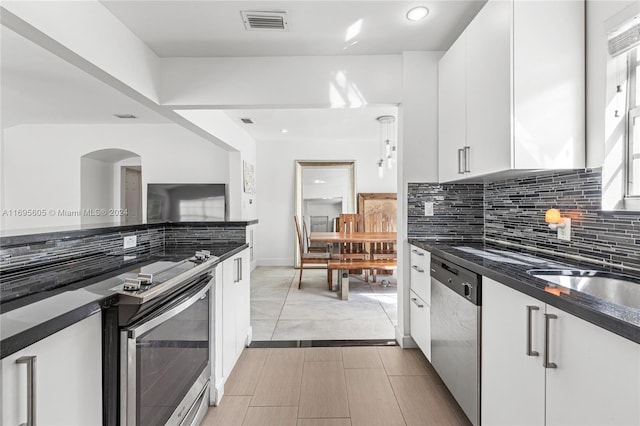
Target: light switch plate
[
  {"x": 428, "y": 208},
  {"x": 564, "y": 233},
  {"x": 130, "y": 241}
]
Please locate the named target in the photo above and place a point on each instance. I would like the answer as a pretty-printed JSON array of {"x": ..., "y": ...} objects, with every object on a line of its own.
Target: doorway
[
  {"x": 105, "y": 196},
  {"x": 324, "y": 189},
  {"x": 131, "y": 193}
]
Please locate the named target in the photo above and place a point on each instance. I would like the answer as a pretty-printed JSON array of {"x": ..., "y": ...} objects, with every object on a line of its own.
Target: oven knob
[
  {"x": 203, "y": 254},
  {"x": 131, "y": 284},
  {"x": 145, "y": 279}
]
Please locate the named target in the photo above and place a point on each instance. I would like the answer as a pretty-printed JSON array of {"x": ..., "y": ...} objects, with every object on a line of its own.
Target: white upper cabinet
[
  {"x": 511, "y": 91},
  {"x": 452, "y": 109}
]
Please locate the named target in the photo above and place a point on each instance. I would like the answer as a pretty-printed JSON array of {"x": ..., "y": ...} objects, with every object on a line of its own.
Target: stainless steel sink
[{"x": 615, "y": 288}]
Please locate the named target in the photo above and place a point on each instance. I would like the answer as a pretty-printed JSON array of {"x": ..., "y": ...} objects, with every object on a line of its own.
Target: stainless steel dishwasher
[{"x": 455, "y": 332}]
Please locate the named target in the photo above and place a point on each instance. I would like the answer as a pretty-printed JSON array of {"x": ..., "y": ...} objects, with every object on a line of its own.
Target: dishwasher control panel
[{"x": 462, "y": 281}]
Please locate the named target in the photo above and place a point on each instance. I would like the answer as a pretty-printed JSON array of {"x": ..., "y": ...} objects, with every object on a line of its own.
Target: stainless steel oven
[{"x": 162, "y": 373}]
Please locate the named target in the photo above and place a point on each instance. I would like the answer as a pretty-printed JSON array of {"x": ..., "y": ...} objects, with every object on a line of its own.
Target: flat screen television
[{"x": 186, "y": 202}]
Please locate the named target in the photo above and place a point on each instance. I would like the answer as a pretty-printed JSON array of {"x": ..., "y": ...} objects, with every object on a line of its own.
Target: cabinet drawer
[
  {"x": 420, "y": 275},
  {"x": 420, "y": 323}
]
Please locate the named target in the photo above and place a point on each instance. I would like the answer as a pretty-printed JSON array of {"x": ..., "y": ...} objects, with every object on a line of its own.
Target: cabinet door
[
  {"x": 420, "y": 274},
  {"x": 421, "y": 324},
  {"x": 489, "y": 77},
  {"x": 597, "y": 379},
  {"x": 513, "y": 385},
  {"x": 229, "y": 293},
  {"x": 68, "y": 378},
  {"x": 243, "y": 289},
  {"x": 451, "y": 110}
]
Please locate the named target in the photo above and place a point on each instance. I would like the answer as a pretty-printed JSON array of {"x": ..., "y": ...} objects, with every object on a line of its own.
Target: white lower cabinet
[
  {"x": 591, "y": 377},
  {"x": 420, "y": 299},
  {"x": 420, "y": 324},
  {"x": 67, "y": 378},
  {"x": 231, "y": 312}
]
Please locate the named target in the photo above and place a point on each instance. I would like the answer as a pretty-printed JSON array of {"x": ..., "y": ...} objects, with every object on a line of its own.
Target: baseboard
[
  {"x": 275, "y": 262},
  {"x": 405, "y": 341},
  {"x": 216, "y": 393}
]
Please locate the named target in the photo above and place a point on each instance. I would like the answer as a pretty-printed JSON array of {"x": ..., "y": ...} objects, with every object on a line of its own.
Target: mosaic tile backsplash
[
  {"x": 515, "y": 209},
  {"x": 513, "y": 213},
  {"x": 457, "y": 211},
  {"x": 52, "y": 262}
]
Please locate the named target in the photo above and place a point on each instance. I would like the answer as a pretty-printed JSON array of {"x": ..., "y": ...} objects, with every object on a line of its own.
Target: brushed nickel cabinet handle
[
  {"x": 30, "y": 362},
  {"x": 416, "y": 268},
  {"x": 419, "y": 253},
  {"x": 530, "y": 351},
  {"x": 546, "y": 363},
  {"x": 467, "y": 159},
  {"x": 415, "y": 300},
  {"x": 460, "y": 158}
]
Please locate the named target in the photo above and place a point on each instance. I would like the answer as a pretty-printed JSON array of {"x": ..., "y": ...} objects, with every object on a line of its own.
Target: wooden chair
[
  {"x": 318, "y": 247},
  {"x": 309, "y": 258},
  {"x": 347, "y": 251},
  {"x": 380, "y": 222}
]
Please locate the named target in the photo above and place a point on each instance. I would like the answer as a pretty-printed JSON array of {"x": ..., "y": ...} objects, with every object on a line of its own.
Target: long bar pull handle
[
  {"x": 530, "y": 352},
  {"x": 417, "y": 268},
  {"x": 460, "y": 158},
  {"x": 239, "y": 269},
  {"x": 419, "y": 253},
  {"x": 414, "y": 300},
  {"x": 546, "y": 363},
  {"x": 467, "y": 159},
  {"x": 30, "y": 362}
]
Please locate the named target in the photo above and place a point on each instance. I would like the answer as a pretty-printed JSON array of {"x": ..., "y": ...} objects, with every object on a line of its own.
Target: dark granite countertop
[
  {"x": 618, "y": 319},
  {"x": 24, "y": 322}
]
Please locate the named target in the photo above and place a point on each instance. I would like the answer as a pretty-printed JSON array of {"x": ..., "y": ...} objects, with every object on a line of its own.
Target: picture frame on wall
[{"x": 249, "y": 177}]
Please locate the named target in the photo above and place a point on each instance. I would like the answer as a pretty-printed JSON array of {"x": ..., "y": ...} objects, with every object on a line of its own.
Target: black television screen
[{"x": 171, "y": 202}]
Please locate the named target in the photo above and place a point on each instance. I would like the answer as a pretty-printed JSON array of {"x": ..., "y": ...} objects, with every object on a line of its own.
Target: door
[
  {"x": 67, "y": 378},
  {"x": 513, "y": 382},
  {"x": 488, "y": 78},
  {"x": 132, "y": 194},
  {"x": 597, "y": 378},
  {"x": 452, "y": 111}
]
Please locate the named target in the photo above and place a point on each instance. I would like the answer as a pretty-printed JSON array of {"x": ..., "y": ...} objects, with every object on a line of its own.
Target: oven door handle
[{"x": 145, "y": 326}]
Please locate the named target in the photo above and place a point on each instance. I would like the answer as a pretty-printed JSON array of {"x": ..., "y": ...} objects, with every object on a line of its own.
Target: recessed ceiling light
[
  {"x": 284, "y": 131},
  {"x": 125, "y": 116},
  {"x": 319, "y": 181},
  {"x": 417, "y": 13}
]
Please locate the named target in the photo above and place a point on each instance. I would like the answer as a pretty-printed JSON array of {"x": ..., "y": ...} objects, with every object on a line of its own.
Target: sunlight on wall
[
  {"x": 614, "y": 153},
  {"x": 343, "y": 93}
]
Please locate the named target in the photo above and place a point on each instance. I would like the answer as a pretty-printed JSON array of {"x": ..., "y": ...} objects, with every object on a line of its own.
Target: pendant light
[{"x": 388, "y": 150}]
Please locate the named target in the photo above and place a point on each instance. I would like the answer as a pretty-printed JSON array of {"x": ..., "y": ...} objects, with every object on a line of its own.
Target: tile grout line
[{"x": 386, "y": 373}]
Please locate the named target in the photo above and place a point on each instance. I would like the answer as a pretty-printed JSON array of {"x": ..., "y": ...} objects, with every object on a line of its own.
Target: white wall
[
  {"x": 276, "y": 186},
  {"x": 242, "y": 147},
  {"x": 336, "y": 81},
  {"x": 41, "y": 164},
  {"x": 97, "y": 189}
]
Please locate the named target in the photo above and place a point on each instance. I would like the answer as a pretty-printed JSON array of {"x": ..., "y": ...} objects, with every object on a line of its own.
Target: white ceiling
[
  {"x": 38, "y": 87},
  {"x": 314, "y": 124},
  {"x": 328, "y": 27}
]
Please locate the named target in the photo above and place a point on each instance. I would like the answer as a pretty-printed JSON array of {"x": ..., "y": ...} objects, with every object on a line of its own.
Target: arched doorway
[{"x": 111, "y": 187}]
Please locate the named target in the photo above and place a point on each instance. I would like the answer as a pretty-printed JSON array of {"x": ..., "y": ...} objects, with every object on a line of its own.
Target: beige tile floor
[
  {"x": 348, "y": 386},
  {"x": 279, "y": 311}
]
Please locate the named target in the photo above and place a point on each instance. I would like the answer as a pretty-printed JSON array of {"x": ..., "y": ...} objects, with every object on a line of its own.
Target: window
[
  {"x": 632, "y": 173},
  {"x": 621, "y": 167}
]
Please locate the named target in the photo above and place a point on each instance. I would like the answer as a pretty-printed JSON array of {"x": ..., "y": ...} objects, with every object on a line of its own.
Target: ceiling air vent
[
  {"x": 273, "y": 21},
  {"x": 247, "y": 120}
]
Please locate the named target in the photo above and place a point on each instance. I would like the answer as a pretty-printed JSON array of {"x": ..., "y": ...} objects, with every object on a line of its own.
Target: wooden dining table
[{"x": 351, "y": 237}]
